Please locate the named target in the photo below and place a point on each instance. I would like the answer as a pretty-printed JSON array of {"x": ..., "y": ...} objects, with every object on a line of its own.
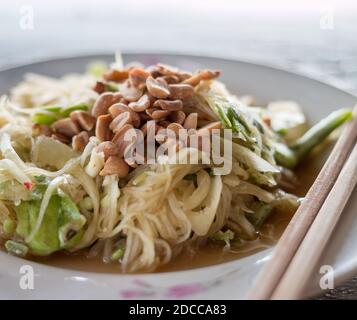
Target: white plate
[{"x": 230, "y": 280}]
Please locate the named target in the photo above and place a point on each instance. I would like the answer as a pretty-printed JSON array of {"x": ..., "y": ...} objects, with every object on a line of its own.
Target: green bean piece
[
  {"x": 285, "y": 156},
  {"x": 54, "y": 109},
  {"x": 320, "y": 131},
  {"x": 43, "y": 118},
  {"x": 118, "y": 254},
  {"x": 65, "y": 112},
  {"x": 289, "y": 157}
]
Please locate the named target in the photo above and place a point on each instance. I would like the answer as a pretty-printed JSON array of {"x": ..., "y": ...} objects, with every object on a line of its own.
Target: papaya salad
[{"x": 67, "y": 184}]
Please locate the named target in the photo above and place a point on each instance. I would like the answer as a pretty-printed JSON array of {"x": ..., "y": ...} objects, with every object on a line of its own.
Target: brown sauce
[{"x": 210, "y": 253}]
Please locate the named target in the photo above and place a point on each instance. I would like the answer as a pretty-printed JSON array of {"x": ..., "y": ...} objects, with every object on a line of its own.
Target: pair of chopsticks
[{"x": 296, "y": 254}]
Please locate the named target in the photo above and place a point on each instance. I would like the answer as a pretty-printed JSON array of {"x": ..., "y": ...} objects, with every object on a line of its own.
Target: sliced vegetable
[
  {"x": 112, "y": 87},
  {"x": 49, "y": 114},
  {"x": 287, "y": 119},
  {"x": 251, "y": 159},
  {"x": 71, "y": 223},
  {"x": 54, "y": 109},
  {"x": 118, "y": 253},
  {"x": 249, "y": 188},
  {"x": 260, "y": 215},
  {"x": 284, "y": 155},
  {"x": 50, "y": 152},
  {"x": 16, "y": 248},
  {"x": 86, "y": 203},
  {"x": 9, "y": 226},
  {"x": 225, "y": 236},
  {"x": 231, "y": 117},
  {"x": 65, "y": 112},
  {"x": 61, "y": 226},
  {"x": 201, "y": 220},
  {"x": 97, "y": 69},
  {"x": 14, "y": 191},
  {"x": 46, "y": 239},
  {"x": 139, "y": 179}
]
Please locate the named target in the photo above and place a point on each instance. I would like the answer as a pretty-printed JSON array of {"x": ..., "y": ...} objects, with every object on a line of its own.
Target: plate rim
[{"x": 95, "y": 55}]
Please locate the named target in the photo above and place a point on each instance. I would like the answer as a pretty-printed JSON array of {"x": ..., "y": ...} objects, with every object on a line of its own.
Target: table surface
[{"x": 316, "y": 40}]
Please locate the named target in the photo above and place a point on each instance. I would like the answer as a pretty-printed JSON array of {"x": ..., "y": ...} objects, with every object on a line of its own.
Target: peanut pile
[{"x": 157, "y": 96}]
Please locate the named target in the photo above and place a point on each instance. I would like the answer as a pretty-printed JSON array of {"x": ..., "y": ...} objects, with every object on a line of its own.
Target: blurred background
[{"x": 316, "y": 38}]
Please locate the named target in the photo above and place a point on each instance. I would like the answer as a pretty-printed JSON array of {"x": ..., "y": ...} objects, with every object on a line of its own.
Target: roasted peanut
[
  {"x": 99, "y": 87},
  {"x": 80, "y": 140},
  {"x": 41, "y": 130},
  {"x": 119, "y": 135},
  {"x": 181, "y": 91},
  {"x": 83, "y": 119},
  {"x": 174, "y": 105},
  {"x": 138, "y": 76},
  {"x": 148, "y": 127},
  {"x": 144, "y": 117},
  {"x": 209, "y": 127},
  {"x": 119, "y": 108},
  {"x": 115, "y": 165},
  {"x": 130, "y": 92},
  {"x": 173, "y": 146},
  {"x": 183, "y": 75},
  {"x": 108, "y": 148},
  {"x": 267, "y": 120},
  {"x": 163, "y": 70},
  {"x": 177, "y": 116},
  {"x": 102, "y": 131},
  {"x": 119, "y": 121},
  {"x": 175, "y": 127},
  {"x": 191, "y": 121},
  {"x": 121, "y": 142},
  {"x": 161, "y": 135},
  {"x": 116, "y": 75},
  {"x": 104, "y": 101},
  {"x": 164, "y": 123},
  {"x": 66, "y": 127},
  {"x": 167, "y": 70},
  {"x": 157, "y": 88},
  {"x": 156, "y": 113},
  {"x": 142, "y": 104},
  {"x": 60, "y": 137},
  {"x": 154, "y": 71},
  {"x": 202, "y": 75},
  {"x": 172, "y": 79}
]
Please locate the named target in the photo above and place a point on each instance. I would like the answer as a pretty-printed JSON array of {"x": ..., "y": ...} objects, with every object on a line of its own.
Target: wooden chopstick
[
  {"x": 273, "y": 270},
  {"x": 305, "y": 260}
]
